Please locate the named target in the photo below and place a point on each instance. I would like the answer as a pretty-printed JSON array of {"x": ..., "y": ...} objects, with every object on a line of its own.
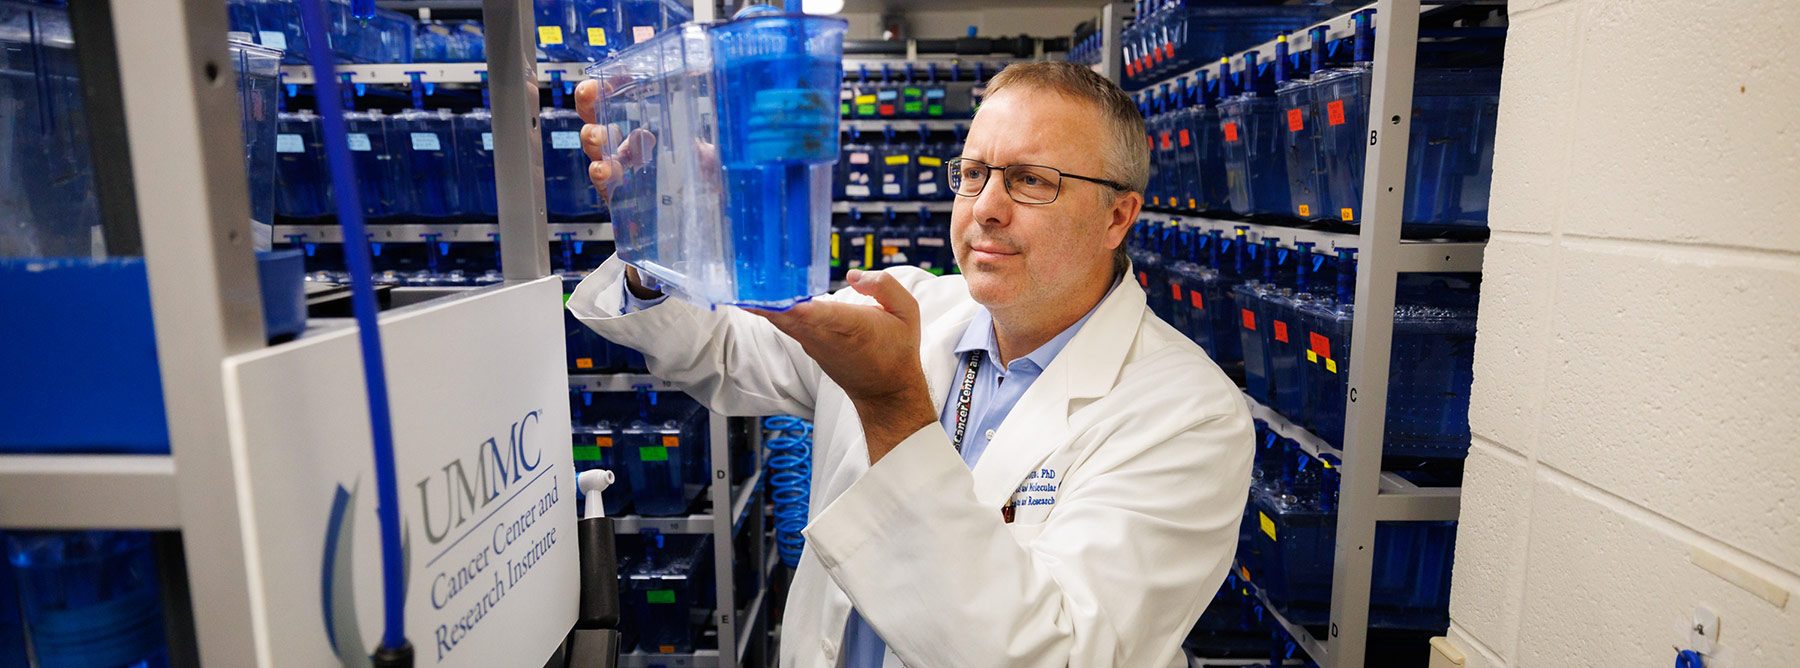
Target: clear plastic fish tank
[{"x": 724, "y": 137}]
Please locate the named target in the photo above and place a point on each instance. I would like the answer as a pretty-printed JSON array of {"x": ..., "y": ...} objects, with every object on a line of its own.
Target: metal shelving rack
[
  {"x": 741, "y": 507},
  {"x": 1367, "y": 494},
  {"x": 161, "y": 67}
]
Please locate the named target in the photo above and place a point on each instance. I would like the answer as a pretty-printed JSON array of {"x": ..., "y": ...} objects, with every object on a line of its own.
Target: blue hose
[
  {"x": 790, "y": 483},
  {"x": 362, "y": 302}
]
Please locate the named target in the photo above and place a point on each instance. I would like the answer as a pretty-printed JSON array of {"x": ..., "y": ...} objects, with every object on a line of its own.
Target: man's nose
[{"x": 994, "y": 206}]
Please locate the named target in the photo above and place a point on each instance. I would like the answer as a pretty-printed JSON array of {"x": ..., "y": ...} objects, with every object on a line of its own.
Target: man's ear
[{"x": 1124, "y": 212}]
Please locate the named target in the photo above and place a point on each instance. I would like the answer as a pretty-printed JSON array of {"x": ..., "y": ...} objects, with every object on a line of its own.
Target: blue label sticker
[
  {"x": 565, "y": 139},
  {"x": 289, "y": 144},
  {"x": 359, "y": 141},
  {"x": 426, "y": 141}
]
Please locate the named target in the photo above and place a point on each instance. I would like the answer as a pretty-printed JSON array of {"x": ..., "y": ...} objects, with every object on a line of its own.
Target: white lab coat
[{"x": 1129, "y": 459}]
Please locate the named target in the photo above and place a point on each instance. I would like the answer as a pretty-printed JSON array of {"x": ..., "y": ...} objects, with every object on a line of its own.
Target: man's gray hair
[{"x": 1127, "y": 152}]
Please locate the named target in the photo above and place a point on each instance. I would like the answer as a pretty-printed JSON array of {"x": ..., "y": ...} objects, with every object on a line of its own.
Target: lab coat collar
[{"x": 1087, "y": 368}]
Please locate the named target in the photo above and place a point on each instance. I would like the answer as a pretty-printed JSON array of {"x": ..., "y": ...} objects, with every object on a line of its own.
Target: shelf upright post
[
  {"x": 724, "y": 516},
  {"x": 1112, "y": 28},
  {"x": 511, "y": 32},
  {"x": 175, "y": 80},
  {"x": 1365, "y": 413}
]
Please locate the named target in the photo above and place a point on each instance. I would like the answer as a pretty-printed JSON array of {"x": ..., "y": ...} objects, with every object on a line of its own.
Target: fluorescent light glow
[{"x": 824, "y": 6}]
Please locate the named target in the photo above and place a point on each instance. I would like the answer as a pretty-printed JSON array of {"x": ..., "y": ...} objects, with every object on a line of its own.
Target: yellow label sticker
[
  {"x": 1305, "y": 210},
  {"x": 584, "y": 362},
  {"x": 834, "y": 245},
  {"x": 898, "y": 159},
  {"x": 597, "y": 36},
  {"x": 929, "y": 161},
  {"x": 1347, "y": 214},
  {"x": 665, "y": 649},
  {"x": 1312, "y": 357},
  {"x": 549, "y": 35},
  {"x": 868, "y": 251},
  {"x": 603, "y": 441},
  {"x": 1331, "y": 365},
  {"x": 671, "y": 441},
  {"x": 865, "y": 99},
  {"x": 1268, "y": 525}
]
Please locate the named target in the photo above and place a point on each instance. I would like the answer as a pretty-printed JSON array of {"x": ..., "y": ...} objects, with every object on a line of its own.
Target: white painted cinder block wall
[{"x": 1637, "y": 373}]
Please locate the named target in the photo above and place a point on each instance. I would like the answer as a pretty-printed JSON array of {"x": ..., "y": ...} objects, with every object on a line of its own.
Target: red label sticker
[
  {"x": 1195, "y": 298},
  {"x": 1231, "y": 132},
  {"x": 1169, "y": 49},
  {"x": 1144, "y": 279},
  {"x": 1165, "y": 142},
  {"x": 1334, "y": 112},
  {"x": 1281, "y": 331},
  {"x": 1184, "y": 137},
  {"x": 1151, "y": 140},
  {"x": 887, "y": 110},
  {"x": 1175, "y": 289},
  {"x": 1249, "y": 319},
  {"x": 1321, "y": 345},
  {"x": 1296, "y": 120}
]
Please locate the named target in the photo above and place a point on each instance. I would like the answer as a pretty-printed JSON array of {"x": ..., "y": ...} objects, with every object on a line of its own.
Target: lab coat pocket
[{"x": 1026, "y": 531}]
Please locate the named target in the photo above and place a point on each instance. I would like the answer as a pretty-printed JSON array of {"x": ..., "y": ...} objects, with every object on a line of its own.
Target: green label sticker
[
  {"x": 660, "y": 596},
  {"x": 935, "y": 110},
  {"x": 653, "y": 453},
  {"x": 914, "y": 92},
  {"x": 566, "y": 299},
  {"x": 844, "y": 109},
  {"x": 587, "y": 453},
  {"x": 865, "y": 110},
  {"x": 913, "y": 107}
]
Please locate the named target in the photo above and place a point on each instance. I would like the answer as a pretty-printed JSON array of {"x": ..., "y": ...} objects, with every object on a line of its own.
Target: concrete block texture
[
  {"x": 1695, "y": 143},
  {"x": 1671, "y": 384},
  {"x": 1533, "y": 134},
  {"x": 1491, "y": 545},
  {"x": 1511, "y": 353},
  {"x": 1611, "y": 587}
]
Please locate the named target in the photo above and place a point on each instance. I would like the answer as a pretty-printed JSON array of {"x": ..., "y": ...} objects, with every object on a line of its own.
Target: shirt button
[{"x": 990, "y": 434}]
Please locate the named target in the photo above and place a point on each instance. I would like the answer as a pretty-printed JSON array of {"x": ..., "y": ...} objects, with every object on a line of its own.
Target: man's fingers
[
  {"x": 601, "y": 173},
  {"x": 887, "y": 292},
  {"x": 586, "y": 93},
  {"x": 593, "y": 141}
]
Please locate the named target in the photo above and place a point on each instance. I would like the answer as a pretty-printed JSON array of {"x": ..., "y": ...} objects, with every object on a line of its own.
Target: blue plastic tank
[
  {"x": 475, "y": 164},
  {"x": 47, "y": 202},
  {"x": 1256, "y": 165},
  {"x": 640, "y": 20},
  {"x": 1300, "y": 135},
  {"x": 931, "y": 243},
  {"x": 894, "y": 239},
  {"x": 667, "y": 457},
  {"x": 1286, "y": 339},
  {"x": 568, "y": 194},
  {"x": 1187, "y": 279},
  {"x": 929, "y": 178},
  {"x": 380, "y": 157},
  {"x": 1221, "y": 304},
  {"x": 672, "y": 577},
  {"x": 899, "y": 173},
  {"x": 1208, "y": 147},
  {"x": 561, "y": 33},
  {"x": 1248, "y": 299},
  {"x": 12, "y": 627},
  {"x": 857, "y": 246},
  {"x": 89, "y": 598},
  {"x": 1327, "y": 368},
  {"x": 912, "y": 95},
  {"x": 1187, "y": 156},
  {"x": 595, "y": 449},
  {"x": 860, "y": 172},
  {"x": 600, "y": 25},
  {"x": 303, "y": 186},
  {"x": 258, "y": 70},
  {"x": 425, "y": 142}
]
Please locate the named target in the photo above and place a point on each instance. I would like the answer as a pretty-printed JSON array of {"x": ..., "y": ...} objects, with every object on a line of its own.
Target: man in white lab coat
[{"x": 1018, "y": 466}]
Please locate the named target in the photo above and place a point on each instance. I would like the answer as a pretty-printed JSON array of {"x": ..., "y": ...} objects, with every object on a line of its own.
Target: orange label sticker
[
  {"x": 671, "y": 441},
  {"x": 1184, "y": 137},
  {"x": 1305, "y": 210},
  {"x": 1194, "y": 297},
  {"x": 1231, "y": 132},
  {"x": 1281, "y": 331},
  {"x": 1249, "y": 319},
  {"x": 1320, "y": 344},
  {"x": 584, "y": 362},
  {"x": 1334, "y": 112},
  {"x": 1144, "y": 279},
  {"x": 1347, "y": 214},
  {"x": 1175, "y": 289},
  {"x": 603, "y": 441},
  {"x": 1296, "y": 120}
]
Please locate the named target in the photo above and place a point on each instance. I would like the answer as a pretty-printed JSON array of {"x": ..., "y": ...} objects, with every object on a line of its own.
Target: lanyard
[{"x": 964, "y": 396}]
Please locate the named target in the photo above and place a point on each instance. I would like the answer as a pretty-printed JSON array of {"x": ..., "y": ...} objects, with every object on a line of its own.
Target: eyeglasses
[{"x": 1026, "y": 184}]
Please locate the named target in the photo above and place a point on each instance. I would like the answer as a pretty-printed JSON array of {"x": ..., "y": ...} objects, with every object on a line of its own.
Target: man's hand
[{"x": 870, "y": 351}]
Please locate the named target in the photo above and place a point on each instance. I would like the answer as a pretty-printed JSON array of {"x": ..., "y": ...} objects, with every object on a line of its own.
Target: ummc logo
[{"x": 495, "y": 470}]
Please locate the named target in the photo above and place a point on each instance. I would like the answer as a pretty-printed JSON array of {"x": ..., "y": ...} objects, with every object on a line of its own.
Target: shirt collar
[{"x": 980, "y": 336}]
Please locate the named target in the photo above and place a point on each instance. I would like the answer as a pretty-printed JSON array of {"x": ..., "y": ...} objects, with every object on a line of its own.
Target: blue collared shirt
[{"x": 997, "y": 390}]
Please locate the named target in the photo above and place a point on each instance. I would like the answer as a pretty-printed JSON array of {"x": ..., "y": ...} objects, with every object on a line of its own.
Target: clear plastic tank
[
  {"x": 1255, "y": 163},
  {"x": 475, "y": 164},
  {"x": 303, "y": 187},
  {"x": 258, "y": 71},
  {"x": 380, "y": 156},
  {"x": 12, "y": 628},
  {"x": 48, "y": 206},
  {"x": 568, "y": 193},
  {"x": 726, "y": 135}
]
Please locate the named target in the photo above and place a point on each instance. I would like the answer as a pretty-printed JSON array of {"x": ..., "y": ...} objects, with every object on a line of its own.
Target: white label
[
  {"x": 856, "y": 191},
  {"x": 859, "y": 158},
  {"x": 641, "y": 33},
  {"x": 933, "y": 242},
  {"x": 886, "y": 95},
  {"x": 565, "y": 139},
  {"x": 273, "y": 39},
  {"x": 859, "y": 240},
  {"x": 891, "y": 189},
  {"x": 289, "y": 144},
  {"x": 927, "y": 188},
  {"x": 426, "y": 141},
  {"x": 896, "y": 242},
  {"x": 487, "y": 141},
  {"x": 359, "y": 141},
  {"x": 934, "y": 93},
  {"x": 890, "y": 177}
]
